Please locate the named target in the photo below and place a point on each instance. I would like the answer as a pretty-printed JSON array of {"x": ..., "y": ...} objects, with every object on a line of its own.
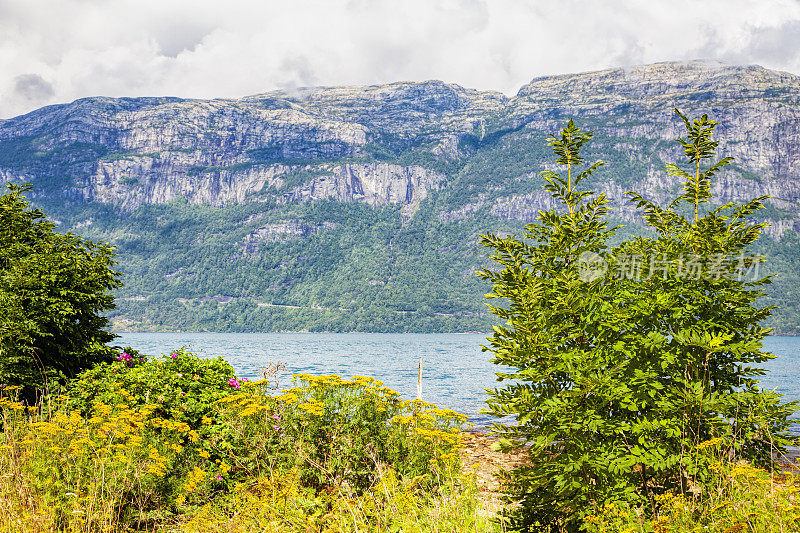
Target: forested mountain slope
[{"x": 358, "y": 208}]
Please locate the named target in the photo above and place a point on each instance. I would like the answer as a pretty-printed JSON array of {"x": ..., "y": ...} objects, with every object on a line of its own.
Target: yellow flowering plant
[
  {"x": 88, "y": 473},
  {"x": 741, "y": 497},
  {"x": 78, "y": 465},
  {"x": 336, "y": 431}
]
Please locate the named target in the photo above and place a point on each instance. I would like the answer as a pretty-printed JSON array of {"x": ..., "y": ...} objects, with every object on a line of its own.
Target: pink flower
[
  {"x": 174, "y": 355},
  {"x": 219, "y": 476},
  {"x": 233, "y": 382}
]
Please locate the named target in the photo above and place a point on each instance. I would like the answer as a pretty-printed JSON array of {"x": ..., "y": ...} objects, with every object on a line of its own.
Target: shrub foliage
[{"x": 53, "y": 290}]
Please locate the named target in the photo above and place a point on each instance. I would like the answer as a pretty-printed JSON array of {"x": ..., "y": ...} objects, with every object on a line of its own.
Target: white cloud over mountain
[{"x": 57, "y": 51}]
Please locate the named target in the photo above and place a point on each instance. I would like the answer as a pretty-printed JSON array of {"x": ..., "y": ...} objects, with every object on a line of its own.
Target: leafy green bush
[
  {"x": 623, "y": 365},
  {"x": 182, "y": 386},
  {"x": 54, "y": 289},
  {"x": 178, "y": 393}
]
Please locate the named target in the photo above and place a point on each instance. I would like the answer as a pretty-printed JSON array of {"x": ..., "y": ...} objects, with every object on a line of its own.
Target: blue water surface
[{"x": 455, "y": 370}]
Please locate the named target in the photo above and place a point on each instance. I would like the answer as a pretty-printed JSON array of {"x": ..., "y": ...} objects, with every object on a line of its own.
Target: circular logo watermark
[{"x": 591, "y": 266}]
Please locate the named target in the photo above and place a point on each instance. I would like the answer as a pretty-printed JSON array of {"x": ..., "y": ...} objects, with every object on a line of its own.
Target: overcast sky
[{"x": 55, "y": 51}]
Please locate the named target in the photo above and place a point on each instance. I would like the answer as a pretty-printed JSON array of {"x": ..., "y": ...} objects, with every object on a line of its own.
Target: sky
[{"x": 54, "y": 51}]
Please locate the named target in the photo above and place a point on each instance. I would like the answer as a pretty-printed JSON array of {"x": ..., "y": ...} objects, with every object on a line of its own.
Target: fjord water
[{"x": 455, "y": 370}]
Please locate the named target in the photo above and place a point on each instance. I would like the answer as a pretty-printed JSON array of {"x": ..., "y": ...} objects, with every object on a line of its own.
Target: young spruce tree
[
  {"x": 692, "y": 290},
  {"x": 626, "y": 364},
  {"x": 560, "y": 337}
]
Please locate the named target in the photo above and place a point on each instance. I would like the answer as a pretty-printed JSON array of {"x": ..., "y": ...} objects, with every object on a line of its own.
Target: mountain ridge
[{"x": 331, "y": 198}]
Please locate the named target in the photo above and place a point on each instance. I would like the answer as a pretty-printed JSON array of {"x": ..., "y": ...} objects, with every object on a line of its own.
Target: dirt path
[{"x": 477, "y": 451}]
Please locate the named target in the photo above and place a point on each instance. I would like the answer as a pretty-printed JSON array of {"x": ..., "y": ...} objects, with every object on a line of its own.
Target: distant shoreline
[
  {"x": 296, "y": 332},
  {"x": 117, "y": 332}
]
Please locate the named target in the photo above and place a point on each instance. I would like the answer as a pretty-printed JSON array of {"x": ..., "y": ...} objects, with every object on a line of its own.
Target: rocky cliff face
[
  {"x": 630, "y": 112},
  {"x": 396, "y": 144},
  {"x": 131, "y": 152},
  {"x": 372, "y": 183}
]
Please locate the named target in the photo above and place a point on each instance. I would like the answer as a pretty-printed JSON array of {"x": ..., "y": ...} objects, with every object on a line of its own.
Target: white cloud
[{"x": 57, "y": 51}]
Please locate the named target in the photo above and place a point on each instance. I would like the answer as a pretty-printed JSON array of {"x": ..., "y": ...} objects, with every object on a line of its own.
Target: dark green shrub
[
  {"x": 178, "y": 391},
  {"x": 54, "y": 289}
]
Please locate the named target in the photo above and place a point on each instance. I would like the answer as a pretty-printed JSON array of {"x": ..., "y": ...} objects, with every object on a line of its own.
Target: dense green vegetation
[
  {"x": 54, "y": 289},
  {"x": 626, "y": 360},
  {"x": 359, "y": 268}
]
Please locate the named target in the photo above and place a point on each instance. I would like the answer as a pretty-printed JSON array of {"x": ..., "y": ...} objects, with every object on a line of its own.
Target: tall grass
[
  {"x": 392, "y": 505},
  {"x": 739, "y": 497}
]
